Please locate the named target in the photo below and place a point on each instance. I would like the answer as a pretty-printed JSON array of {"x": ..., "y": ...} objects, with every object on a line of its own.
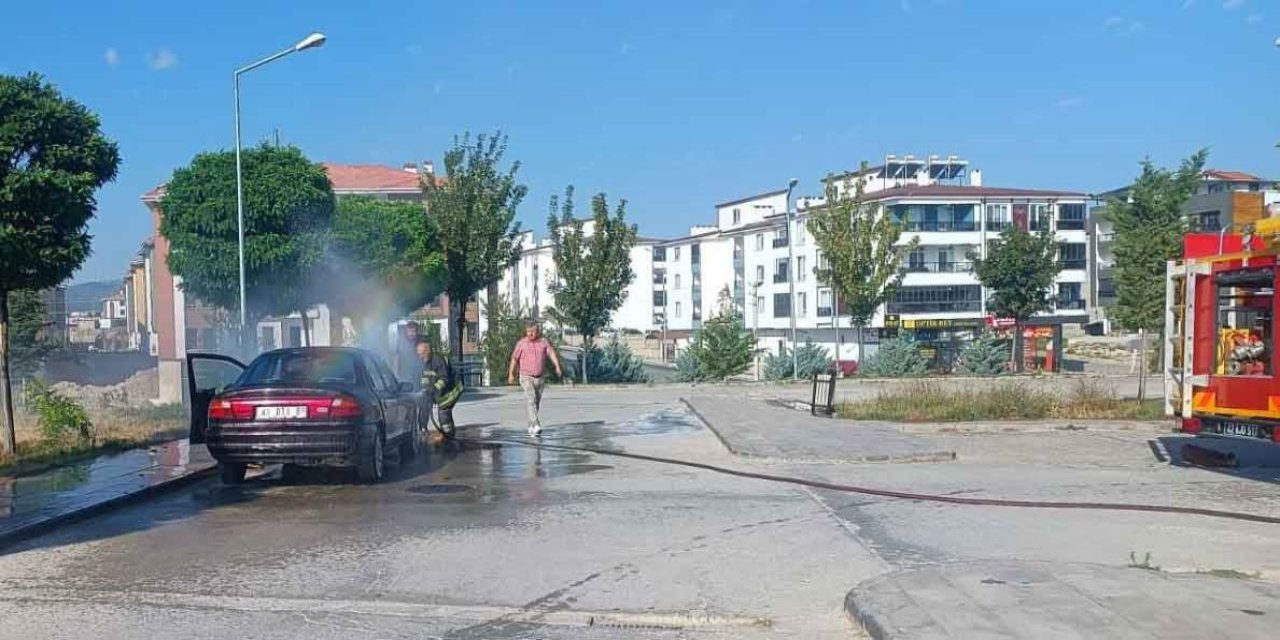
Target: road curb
[
  {"x": 26, "y": 532},
  {"x": 938, "y": 456}
]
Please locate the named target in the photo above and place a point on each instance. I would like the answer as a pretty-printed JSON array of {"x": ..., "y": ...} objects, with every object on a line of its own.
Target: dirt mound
[{"x": 136, "y": 391}]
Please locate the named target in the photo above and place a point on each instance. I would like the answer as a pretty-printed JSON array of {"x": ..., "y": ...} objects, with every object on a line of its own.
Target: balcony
[
  {"x": 1071, "y": 305},
  {"x": 780, "y": 242},
  {"x": 780, "y": 278},
  {"x": 1073, "y": 264},
  {"x": 997, "y": 226},
  {"x": 960, "y": 306},
  {"x": 1070, "y": 225},
  {"x": 660, "y": 279},
  {"x": 940, "y": 267},
  {"x": 824, "y": 312},
  {"x": 939, "y": 225}
]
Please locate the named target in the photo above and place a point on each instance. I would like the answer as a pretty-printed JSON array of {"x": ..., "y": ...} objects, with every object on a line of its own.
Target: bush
[
  {"x": 987, "y": 355},
  {"x": 810, "y": 359},
  {"x": 687, "y": 364},
  {"x": 896, "y": 358},
  {"x": 61, "y": 420},
  {"x": 722, "y": 349},
  {"x": 613, "y": 363}
]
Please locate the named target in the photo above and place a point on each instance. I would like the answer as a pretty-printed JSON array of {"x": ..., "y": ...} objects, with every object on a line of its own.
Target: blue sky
[{"x": 672, "y": 105}]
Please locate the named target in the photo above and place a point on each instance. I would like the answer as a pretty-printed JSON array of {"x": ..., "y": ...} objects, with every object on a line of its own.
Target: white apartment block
[{"x": 749, "y": 257}]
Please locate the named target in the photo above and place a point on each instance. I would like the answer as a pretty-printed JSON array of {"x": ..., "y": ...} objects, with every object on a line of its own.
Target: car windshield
[{"x": 301, "y": 367}]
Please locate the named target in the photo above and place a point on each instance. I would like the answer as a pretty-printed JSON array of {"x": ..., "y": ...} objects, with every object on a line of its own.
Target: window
[
  {"x": 1206, "y": 221},
  {"x": 954, "y": 299},
  {"x": 800, "y": 271},
  {"x": 267, "y": 338},
  {"x": 383, "y": 381},
  {"x": 1071, "y": 217},
  {"x": 659, "y": 254},
  {"x": 1071, "y": 255},
  {"x": 1246, "y": 300},
  {"x": 781, "y": 305},
  {"x": 737, "y": 216},
  {"x": 659, "y": 276},
  {"x": 677, "y": 281},
  {"x": 998, "y": 217},
  {"x": 780, "y": 238},
  {"x": 801, "y": 306},
  {"x": 302, "y": 366},
  {"x": 659, "y": 298},
  {"x": 675, "y": 253},
  {"x": 824, "y": 303},
  {"x": 801, "y": 232},
  {"x": 759, "y": 273},
  {"x": 1040, "y": 217},
  {"x": 934, "y": 217},
  {"x": 759, "y": 242},
  {"x": 1069, "y": 296},
  {"x": 295, "y": 337},
  {"x": 677, "y": 309},
  {"x": 782, "y": 271}
]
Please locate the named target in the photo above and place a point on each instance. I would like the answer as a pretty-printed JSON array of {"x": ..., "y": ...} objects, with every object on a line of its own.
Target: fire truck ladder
[{"x": 1180, "y": 325}]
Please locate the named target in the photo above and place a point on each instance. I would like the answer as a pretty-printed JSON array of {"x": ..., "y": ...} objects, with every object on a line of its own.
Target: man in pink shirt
[{"x": 530, "y": 357}]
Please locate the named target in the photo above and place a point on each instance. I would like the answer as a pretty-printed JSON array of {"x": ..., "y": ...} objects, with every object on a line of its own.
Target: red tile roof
[
  {"x": 963, "y": 191},
  {"x": 1230, "y": 176},
  {"x": 371, "y": 177}
]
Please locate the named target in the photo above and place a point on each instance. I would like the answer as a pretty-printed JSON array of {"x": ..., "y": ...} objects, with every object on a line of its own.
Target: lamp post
[
  {"x": 309, "y": 42},
  {"x": 791, "y": 280}
]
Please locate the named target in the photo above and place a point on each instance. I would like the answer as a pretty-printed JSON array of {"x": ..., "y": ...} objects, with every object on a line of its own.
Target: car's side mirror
[{"x": 406, "y": 387}]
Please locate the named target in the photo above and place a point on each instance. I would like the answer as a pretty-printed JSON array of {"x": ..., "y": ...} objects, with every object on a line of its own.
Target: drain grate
[{"x": 438, "y": 489}]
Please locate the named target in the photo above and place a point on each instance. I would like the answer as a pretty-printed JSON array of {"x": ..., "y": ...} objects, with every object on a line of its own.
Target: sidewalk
[
  {"x": 31, "y": 505},
  {"x": 1011, "y": 599},
  {"x": 752, "y": 428}
]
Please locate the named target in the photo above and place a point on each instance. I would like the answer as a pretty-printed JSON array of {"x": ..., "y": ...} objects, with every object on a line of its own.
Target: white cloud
[
  {"x": 1231, "y": 5},
  {"x": 1254, "y": 18},
  {"x": 112, "y": 57},
  {"x": 1070, "y": 102},
  {"x": 162, "y": 59}
]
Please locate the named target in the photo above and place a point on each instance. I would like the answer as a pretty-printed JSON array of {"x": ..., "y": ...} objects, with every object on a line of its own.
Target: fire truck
[{"x": 1220, "y": 363}]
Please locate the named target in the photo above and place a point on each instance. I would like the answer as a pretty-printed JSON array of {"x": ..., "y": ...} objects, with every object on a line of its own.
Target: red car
[{"x": 315, "y": 406}]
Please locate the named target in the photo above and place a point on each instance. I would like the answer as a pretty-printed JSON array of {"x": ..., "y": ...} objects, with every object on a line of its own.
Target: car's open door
[{"x": 207, "y": 375}]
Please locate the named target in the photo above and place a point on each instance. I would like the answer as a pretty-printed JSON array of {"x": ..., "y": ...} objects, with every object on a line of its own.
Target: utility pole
[
  {"x": 791, "y": 281},
  {"x": 755, "y": 322}
]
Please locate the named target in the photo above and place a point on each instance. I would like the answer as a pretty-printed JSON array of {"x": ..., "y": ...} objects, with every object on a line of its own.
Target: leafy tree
[
  {"x": 1148, "y": 227},
  {"x": 474, "y": 208},
  {"x": 394, "y": 256},
  {"x": 1020, "y": 269},
  {"x": 506, "y": 327},
  {"x": 288, "y": 211},
  {"x": 28, "y": 343},
  {"x": 53, "y": 157},
  {"x": 593, "y": 269},
  {"x": 987, "y": 355},
  {"x": 896, "y": 358},
  {"x": 723, "y": 348},
  {"x": 863, "y": 264},
  {"x": 810, "y": 359}
]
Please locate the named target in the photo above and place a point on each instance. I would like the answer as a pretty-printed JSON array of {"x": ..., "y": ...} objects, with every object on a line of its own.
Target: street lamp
[
  {"x": 791, "y": 280},
  {"x": 309, "y": 42}
]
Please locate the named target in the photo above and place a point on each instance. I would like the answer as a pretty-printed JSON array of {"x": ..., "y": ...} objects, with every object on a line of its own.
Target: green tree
[
  {"x": 288, "y": 211},
  {"x": 506, "y": 327},
  {"x": 723, "y": 348},
  {"x": 1148, "y": 228},
  {"x": 28, "y": 343},
  {"x": 859, "y": 243},
  {"x": 899, "y": 357},
  {"x": 810, "y": 359},
  {"x": 392, "y": 253},
  {"x": 474, "y": 208},
  {"x": 53, "y": 158},
  {"x": 615, "y": 363},
  {"x": 1020, "y": 269},
  {"x": 987, "y": 355},
  {"x": 593, "y": 269}
]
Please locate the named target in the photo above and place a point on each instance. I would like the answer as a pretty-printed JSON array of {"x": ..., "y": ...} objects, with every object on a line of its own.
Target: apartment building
[{"x": 1223, "y": 201}]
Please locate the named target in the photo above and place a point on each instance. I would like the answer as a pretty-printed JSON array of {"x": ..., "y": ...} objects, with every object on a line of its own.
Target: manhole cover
[{"x": 438, "y": 489}]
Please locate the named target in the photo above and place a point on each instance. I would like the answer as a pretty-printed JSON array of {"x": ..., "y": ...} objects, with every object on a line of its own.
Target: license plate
[
  {"x": 1233, "y": 428},
  {"x": 281, "y": 413}
]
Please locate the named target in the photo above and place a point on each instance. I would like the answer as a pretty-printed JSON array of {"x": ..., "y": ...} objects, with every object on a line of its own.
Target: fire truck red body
[{"x": 1220, "y": 362}]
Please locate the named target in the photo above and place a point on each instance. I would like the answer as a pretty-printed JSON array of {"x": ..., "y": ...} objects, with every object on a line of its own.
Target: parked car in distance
[{"x": 309, "y": 406}]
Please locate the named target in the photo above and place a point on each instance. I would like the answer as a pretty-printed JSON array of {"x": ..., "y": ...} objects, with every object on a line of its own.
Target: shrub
[
  {"x": 687, "y": 364},
  {"x": 987, "y": 355},
  {"x": 810, "y": 359},
  {"x": 62, "y": 421},
  {"x": 613, "y": 363},
  {"x": 896, "y": 358},
  {"x": 722, "y": 349}
]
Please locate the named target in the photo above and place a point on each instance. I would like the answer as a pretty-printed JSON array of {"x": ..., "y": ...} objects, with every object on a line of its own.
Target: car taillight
[
  {"x": 220, "y": 410},
  {"x": 339, "y": 407},
  {"x": 1191, "y": 425}
]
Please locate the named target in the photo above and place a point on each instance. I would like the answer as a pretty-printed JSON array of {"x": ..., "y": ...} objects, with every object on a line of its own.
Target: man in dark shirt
[{"x": 440, "y": 383}]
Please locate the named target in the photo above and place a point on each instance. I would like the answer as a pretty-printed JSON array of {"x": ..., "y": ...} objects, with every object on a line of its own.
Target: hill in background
[{"x": 87, "y": 296}]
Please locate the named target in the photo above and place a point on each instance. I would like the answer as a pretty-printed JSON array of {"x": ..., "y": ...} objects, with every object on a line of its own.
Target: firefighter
[{"x": 440, "y": 383}]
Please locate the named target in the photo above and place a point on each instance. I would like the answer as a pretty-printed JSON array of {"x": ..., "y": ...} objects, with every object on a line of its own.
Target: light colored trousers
[{"x": 532, "y": 386}]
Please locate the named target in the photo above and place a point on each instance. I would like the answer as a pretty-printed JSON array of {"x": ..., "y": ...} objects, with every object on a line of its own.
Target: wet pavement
[{"x": 30, "y": 502}]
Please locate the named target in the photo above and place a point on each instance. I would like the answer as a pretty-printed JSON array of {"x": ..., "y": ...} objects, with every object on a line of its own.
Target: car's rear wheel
[
  {"x": 373, "y": 466},
  {"x": 232, "y": 472}
]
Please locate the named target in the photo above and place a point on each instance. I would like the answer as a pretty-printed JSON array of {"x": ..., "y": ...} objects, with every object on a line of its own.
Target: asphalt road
[
  {"x": 495, "y": 539},
  {"x": 484, "y": 540}
]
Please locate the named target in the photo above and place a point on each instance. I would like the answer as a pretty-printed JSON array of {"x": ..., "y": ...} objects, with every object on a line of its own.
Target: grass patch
[
  {"x": 1231, "y": 573},
  {"x": 924, "y": 401},
  {"x": 114, "y": 429}
]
